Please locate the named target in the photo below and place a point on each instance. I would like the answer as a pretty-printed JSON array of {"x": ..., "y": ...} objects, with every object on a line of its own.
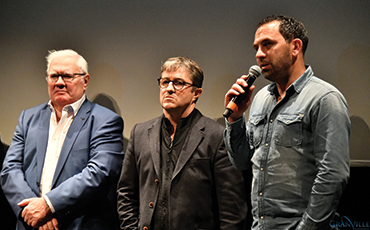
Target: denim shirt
[{"x": 299, "y": 152}]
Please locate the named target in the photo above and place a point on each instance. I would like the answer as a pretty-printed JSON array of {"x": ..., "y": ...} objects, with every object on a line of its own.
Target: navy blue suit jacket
[{"x": 83, "y": 188}]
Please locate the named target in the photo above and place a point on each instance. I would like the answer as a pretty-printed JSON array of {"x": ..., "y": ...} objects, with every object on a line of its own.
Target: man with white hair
[{"x": 62, "y": 166}]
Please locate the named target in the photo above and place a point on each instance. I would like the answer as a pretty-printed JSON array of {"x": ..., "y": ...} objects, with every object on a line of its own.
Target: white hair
[{"x": 81, "y": 62}]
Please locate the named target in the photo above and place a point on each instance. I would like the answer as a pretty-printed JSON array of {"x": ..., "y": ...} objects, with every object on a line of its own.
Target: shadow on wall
[
  {"x": 108, "y": 102},
  {"x": 359, "y": 145}
]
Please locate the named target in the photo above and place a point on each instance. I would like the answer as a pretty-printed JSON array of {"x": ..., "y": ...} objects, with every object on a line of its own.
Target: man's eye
[
  {"x": 267, "y": 44},
  {"x": 54, "y": 76},
  {"x": 67, "y": 76},
  {"x": 165, "y": 82},
  {"x": 178, "y": 82}
]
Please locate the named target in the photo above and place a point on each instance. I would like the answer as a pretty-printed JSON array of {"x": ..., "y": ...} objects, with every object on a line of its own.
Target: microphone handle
[{"x": 235, "y": 101}]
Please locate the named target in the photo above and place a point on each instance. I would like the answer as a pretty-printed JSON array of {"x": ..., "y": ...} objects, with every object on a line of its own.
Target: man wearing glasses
[
  {"x": 176, "y": 173},
  {"x": 62, "y": 167}
]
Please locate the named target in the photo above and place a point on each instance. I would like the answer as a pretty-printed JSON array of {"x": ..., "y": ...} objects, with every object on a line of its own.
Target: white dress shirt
[{"x": 57, "y": 134}]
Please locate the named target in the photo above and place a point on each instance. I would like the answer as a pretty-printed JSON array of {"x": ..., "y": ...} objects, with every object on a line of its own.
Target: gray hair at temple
[
  {"x": 174, "y": 63},
  {"x": 81, "y": 62}
]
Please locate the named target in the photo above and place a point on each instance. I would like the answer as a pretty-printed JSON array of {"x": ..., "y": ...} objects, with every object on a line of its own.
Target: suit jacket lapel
[
  {"x": 195, "y": 136},
  {"x": 42, "y": 138},
  {"x": 72, "y": 135},
  {"x": 154, "y": 143}
]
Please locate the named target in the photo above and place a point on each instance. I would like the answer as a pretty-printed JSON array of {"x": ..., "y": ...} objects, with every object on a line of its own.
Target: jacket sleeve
[
  {"x": 230, "y": 189},
  {"x": 128, "y": 189},
  {"x": 12, "y": 175}
]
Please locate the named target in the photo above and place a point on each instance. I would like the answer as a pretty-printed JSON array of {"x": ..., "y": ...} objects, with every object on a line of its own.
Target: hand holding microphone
[{"x": 254, "y": 72}]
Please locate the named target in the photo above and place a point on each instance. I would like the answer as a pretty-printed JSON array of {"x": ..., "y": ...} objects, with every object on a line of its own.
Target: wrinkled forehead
[
  {"x": 65, "y": 63},
  {"x": 179, "y": 73},
  {"x": 179, "y": 70}
]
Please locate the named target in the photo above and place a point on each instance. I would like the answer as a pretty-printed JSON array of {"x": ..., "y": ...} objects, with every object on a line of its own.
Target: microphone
[{"x": 254, "y": 72}]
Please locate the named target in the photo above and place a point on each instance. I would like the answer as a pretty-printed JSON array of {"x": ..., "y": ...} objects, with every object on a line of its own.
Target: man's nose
[
  {"x": 172, "y": 88},
  {"x": 60, "y": 80},
  {"x": 260, "y": 53}
]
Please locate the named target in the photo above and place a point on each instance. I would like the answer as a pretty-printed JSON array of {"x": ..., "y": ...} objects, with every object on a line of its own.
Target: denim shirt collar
[{"x": 297, "y": 86}]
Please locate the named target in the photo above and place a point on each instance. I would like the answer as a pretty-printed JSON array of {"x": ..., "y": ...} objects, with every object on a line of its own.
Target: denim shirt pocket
[
  {"x": 289, "y": 130},
  {"x": 256, "y": 123}
]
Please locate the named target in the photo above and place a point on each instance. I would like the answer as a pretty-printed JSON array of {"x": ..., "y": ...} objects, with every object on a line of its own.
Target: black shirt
[{"x": 170, "y": 151}]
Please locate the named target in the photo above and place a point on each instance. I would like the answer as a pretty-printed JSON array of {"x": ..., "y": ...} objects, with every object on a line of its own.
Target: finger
[
  {"x": 49, "y": 225},
  {"x": 32, "y": 224},
  {"x": 24, "y": 214},
  {"x": 241, "y": 82},
  {"x": 229, "y": 95},
  {"x": 233, "y": 91},
  {"x": 55, "y": 223},
  {"x": 244, "y": 77},
  {"x": 238, "y": 87}
]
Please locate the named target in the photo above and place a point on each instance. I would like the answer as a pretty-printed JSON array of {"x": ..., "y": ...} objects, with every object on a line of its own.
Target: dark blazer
[
  {"x": 84, "y": 184},
  {"x": 206, "y": 191}
]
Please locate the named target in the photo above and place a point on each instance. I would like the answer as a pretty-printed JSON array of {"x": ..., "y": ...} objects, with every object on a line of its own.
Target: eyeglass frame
[
  {"x": 173, "y": 84},
  {"x": 63, "y": 75}
]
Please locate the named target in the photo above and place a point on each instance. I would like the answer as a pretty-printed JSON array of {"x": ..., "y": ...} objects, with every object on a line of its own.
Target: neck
[
  {"x": 293, "y": 74},
  {"x": 175, "y": 115},
  {"x": 58, "y": 112}
]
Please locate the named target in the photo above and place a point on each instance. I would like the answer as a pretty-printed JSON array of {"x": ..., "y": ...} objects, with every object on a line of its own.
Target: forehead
[
  {"x": 268, "y": 31},
  {"x": 180, "y": 73},
  {"x": 64, "y": 63}
]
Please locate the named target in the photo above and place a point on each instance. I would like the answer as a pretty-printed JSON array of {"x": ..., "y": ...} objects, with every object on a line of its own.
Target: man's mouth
[{"x": 264, "y": 66}]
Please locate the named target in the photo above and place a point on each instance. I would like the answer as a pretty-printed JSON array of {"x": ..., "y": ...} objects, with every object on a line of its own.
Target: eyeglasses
[
  {"x": 67, "y": 77},
  {"x": 177, "y": 83}
]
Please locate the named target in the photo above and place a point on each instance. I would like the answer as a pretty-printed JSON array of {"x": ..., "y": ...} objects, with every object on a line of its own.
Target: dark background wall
[{"x": 126, "y": 41}]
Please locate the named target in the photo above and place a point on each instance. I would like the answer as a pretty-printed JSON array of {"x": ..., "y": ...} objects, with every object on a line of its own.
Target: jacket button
[
  {"x": 145, "y": 228},
  {"x": 156, "y": 181},
  {"x": 38, "y": 184},
  {"x": 151, "y": 204}
]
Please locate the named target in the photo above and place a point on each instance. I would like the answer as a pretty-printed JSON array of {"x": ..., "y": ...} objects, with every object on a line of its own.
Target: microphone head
[{"x": 255, "y": 71}]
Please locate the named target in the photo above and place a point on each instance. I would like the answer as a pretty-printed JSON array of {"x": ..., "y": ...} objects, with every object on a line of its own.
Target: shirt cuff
[
  {"x": 236, "y": 126},
  {"x": 49, "y": 204}
]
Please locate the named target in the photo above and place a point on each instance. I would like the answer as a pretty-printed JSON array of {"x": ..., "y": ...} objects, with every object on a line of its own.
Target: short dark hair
[
  {"x": 290, "y": 29},
  {"x": 174, "y": 63}
]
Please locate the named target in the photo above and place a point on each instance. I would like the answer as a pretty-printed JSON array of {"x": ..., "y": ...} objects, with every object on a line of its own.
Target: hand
[
  {"x": 237, "y": 89},
  {"x": 36, "y": 211},
  {"x": 50, "y": 225}
]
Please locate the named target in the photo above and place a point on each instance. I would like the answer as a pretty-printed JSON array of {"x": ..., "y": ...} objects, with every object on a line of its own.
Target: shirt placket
[{"x": 266, "y": 142}]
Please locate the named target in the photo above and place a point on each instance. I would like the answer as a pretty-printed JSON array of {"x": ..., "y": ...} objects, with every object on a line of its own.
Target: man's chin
[
  {"x": 267, "y": 74},
  {"x": 169, "y": 107},
  {"x": 61, "y": 101}
]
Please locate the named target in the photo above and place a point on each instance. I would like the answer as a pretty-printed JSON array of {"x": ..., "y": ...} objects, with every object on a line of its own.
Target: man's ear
[
  {"x": 297, "y": 45},
  {"x": 197, "y": 93},
  {"x": 86, "y": 80}
]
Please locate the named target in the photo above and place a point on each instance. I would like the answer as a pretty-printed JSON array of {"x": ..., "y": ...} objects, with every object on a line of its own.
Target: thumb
[{"x": 24, "y": 202}]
